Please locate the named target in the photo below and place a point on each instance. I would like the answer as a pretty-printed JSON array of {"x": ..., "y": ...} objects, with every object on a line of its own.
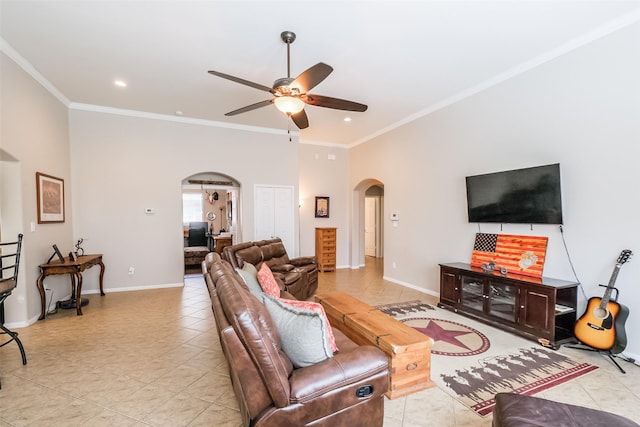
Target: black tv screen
[{"x": 521, "y": 196}]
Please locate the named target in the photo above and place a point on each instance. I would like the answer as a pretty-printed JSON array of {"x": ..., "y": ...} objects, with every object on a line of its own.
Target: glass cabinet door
[
  {"x": 472, "y": 293},
  {"x": 502, "y": 301}
]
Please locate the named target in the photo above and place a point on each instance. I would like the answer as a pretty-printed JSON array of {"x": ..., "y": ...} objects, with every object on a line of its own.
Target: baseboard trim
[
  {"x": 136, "y": 288},
  {"x": 411, "y": 286}
]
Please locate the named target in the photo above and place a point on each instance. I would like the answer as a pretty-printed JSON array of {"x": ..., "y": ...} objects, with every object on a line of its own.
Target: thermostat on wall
[
  {"x": 394, "y": 217},
  {"x": 149, "y": 211}
]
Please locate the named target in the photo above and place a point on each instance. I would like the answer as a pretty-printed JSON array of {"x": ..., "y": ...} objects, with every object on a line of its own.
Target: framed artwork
[
  {"x": 50, "y": 193},
  {"x": 322, "y": 207}
]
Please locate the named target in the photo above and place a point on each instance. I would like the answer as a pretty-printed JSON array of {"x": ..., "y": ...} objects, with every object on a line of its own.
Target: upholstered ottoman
[
  {"x": 516, "y": 410},
  {"x": 194, "y": 255}
]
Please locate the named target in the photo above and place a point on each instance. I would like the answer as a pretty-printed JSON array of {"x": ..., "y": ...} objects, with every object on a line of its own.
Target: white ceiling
[{"x": 402, "y": 59}]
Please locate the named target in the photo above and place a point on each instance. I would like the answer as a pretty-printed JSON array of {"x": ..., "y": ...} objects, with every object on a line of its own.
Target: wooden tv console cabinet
[{"x": 540, "y": 309}]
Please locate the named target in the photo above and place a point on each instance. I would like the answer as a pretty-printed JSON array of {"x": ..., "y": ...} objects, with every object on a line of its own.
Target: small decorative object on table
[{"x": 79, "y": 250}]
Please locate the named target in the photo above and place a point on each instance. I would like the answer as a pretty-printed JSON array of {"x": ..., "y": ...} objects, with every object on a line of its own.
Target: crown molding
[
  {"x": 8, "y": 50},
  {"x": 573, "y": 44}
]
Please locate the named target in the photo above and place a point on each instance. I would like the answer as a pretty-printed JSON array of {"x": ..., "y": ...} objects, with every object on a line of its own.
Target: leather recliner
[
  {"x": 298, "y": 276},
  {"x": 344, "y": 390}
]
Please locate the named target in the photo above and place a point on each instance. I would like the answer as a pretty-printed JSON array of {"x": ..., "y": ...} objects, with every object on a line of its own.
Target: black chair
[
  {"x": 197, "y": 234},
  {"x": 9, "y": 260}
]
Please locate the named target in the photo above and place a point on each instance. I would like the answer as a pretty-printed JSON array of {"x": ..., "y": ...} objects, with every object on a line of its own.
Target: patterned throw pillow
[
  {"x": 316, "y": 308},
  {"x": 267, "y": 281},
  {"x": 303, "y": 333}
]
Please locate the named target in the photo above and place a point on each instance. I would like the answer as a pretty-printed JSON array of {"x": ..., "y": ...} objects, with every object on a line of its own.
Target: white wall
[
  {"x": 34, "y": 133},
  {"x": 122, "y": 165},
  {"x": 581, "y": 110}
]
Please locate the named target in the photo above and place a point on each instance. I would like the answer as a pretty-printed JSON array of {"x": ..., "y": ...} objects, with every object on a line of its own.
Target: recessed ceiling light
[
  {"x": 120, "y": 83},
  {"x": 347, "y": 119},
  {"x": 179, "y": 113}
]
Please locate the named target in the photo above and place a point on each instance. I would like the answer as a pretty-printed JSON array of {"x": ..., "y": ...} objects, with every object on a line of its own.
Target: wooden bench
[{"x": 409, "y": 351}]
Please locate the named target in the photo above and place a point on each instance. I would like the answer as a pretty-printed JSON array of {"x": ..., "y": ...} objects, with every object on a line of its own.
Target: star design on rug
[{"x": 438, "y": 333}]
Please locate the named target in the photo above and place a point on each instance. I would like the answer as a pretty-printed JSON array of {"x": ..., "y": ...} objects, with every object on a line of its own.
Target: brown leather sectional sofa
[
  {"x": 344, "y": 390},
  {"x": 518, "y": 410},
  {"x": 298, "y": 276}
]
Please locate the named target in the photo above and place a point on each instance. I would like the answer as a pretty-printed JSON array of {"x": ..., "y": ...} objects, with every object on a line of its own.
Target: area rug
[{"x": 473, "y": 361}]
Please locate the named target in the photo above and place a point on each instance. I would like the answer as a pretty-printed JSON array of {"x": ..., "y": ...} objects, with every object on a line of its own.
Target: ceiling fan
[{"x": 290, "y": 95}]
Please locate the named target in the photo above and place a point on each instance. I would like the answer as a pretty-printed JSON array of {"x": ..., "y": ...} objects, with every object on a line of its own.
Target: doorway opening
[
  {"x": 373, "y": 221},
  {"x": 15, "y": 309},
  {"x": 211, "y": 216},
  {"x": 368, "y": 222}
]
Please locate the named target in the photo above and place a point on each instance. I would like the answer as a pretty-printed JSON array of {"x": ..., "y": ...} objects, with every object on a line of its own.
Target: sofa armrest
[
  {"x": 303, "y": 260},
  {"x": 279, "y": 280},
  {"x": 339, "y": 371},
  {"x": 282, "y": 268}
]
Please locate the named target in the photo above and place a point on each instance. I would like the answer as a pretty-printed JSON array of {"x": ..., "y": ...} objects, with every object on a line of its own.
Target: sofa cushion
[
  {"x": 273, "y": 251},
  {"x": 316, "y": 308},
  {"x": 251, "y": 254},
  {"x": 268, "y": 282},
  {"x": 303, "y": 333},
  {"x": 250, "y": 276}
]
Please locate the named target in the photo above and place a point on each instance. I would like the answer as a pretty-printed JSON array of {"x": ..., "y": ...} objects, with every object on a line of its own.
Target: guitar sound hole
[{"x": 601, "y": 313}]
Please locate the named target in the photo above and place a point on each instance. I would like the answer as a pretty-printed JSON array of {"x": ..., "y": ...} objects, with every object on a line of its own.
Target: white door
[
  {"x": 274, "y": 214},
  {"x": 370, "y": 225}
]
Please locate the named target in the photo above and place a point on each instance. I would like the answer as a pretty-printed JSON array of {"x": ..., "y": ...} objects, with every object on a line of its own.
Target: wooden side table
[
  {"x": 221, "y": 242},
  {"x": 74, "y": 269}
]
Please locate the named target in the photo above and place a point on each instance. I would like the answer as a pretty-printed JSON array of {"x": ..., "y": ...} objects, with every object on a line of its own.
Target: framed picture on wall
[
  {"x": 322, "y": 207},
  {"x": 50, "y": 194}
]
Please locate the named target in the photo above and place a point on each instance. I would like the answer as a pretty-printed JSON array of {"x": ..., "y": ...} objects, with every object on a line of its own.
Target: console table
[
  {"x": 541, "y": 309},
  {"x": 74, "y": 269},
  {"x": 408, "y": 350}
]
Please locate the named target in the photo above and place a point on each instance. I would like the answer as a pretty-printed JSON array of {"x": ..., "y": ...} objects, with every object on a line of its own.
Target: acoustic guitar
[{"x": 602, "y": 324}]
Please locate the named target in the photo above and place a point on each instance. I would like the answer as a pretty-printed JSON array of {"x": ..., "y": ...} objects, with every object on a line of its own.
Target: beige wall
[
  {"x": 34, "y": 134},
  {"x": 323, "y": 176},
  {"x": 122, "y": 165},
  {"x": 581, "y": 110}
]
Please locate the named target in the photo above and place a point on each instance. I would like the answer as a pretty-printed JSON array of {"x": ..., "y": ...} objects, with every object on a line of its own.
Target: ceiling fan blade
[
  {"x": 300, "y": 119},
  {"x": 250, "y": 107},
  {"x": 335, "y": 103},
  {"x": 242, "y": 81},
  {"x": 312, "y": 77}
]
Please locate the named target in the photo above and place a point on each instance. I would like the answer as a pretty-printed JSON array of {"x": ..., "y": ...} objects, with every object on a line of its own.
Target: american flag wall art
[{"x": 518, "y": 254}]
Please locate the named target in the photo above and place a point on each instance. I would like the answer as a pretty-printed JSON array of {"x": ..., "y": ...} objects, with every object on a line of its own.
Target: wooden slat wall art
[{"x": 523, "y": 255}]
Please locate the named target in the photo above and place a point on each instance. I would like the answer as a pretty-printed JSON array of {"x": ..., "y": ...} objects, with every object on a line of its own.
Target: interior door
[
  {"x": 370, "y": 225},
  {"x": 273, "y": 214}
]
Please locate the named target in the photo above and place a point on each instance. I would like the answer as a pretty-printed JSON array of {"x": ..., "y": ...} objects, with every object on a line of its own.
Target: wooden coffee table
[{"x": 408, "y": 350}]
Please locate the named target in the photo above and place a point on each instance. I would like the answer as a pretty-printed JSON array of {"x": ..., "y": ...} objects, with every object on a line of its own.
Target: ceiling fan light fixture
[{"x": 288, "y": 104}]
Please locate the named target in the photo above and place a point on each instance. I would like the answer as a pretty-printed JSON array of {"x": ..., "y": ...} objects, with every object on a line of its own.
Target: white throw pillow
[{"x": 303, "y": 333}]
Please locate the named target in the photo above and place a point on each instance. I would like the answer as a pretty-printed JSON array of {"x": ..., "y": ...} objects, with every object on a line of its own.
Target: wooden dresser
[{"x": 326, "y": 248}]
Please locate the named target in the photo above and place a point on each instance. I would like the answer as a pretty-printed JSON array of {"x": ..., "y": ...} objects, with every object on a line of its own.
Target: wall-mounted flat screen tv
[{"x": 521, "y": 196}]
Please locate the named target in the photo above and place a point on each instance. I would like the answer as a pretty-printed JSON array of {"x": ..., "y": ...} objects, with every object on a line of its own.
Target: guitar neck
[{"x": 607, "y": 294}]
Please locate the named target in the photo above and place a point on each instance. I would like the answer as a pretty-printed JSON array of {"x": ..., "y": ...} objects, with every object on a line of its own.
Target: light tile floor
[{"x": 153, "y": 358}]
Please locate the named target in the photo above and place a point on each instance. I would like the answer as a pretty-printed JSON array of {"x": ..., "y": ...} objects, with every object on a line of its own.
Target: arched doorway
[
  {"x": 367, "y": 221},
  {"x": 210, "y": 200},
  {"x": 11, "y": 224}
]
